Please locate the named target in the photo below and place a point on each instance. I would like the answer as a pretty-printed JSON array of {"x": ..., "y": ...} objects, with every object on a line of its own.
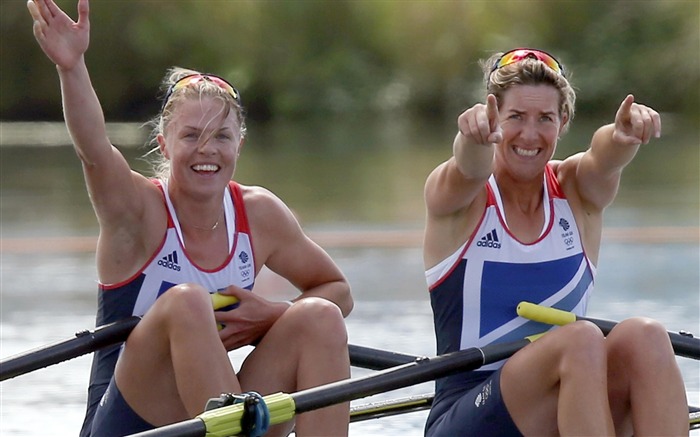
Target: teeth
[
  {"x": 525, "y": 152},
  {"x": 205, "y": 167}
]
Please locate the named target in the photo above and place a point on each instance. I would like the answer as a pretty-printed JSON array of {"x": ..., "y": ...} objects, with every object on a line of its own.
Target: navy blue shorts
[
  {"x": 479, "y": 412},
  {"x": 115, "y": 418}
]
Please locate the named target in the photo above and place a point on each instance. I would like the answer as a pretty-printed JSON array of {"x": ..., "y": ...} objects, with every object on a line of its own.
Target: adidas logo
[
  {"x": 489, "y": 240},
  {"x": 170, "y": 261}
]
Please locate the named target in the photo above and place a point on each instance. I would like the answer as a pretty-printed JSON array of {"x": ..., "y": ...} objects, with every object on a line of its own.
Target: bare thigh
[
  {"x": 305, "y": 348},
  {"x": 145, "y": 373},
  {"x": 304, "y": 329},
  {"x": 531, "y": 379}
]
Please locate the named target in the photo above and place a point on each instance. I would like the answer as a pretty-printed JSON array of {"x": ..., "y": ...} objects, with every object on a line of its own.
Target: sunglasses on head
[
  {"x": 193, "y": 79},
  {"x": 517, "y": 55}
]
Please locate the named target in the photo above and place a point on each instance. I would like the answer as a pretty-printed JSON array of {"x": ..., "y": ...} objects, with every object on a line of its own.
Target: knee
[
  {"x": 185, "y": 300},
  {"x": 583, "y": 334},
  {"x": 638, "y": 329},
  {"x": 318, "y": 317},
  {"x": 640, "y": 337},
  {"x": 583, "y": 346}
]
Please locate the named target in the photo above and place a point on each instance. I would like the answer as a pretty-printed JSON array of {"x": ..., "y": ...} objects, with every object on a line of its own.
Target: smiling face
[
  {"x": 202, "y": 142},
  {"x": 531, "y": 123}
]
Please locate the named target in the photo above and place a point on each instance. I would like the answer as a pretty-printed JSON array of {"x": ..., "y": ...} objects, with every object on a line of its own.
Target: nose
[
  {"x": 205, "y": 146},
  {"x": 529, "y": 132}
]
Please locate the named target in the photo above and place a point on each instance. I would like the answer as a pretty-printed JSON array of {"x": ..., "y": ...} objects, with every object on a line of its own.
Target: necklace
[{"x": 216, "y": 225}]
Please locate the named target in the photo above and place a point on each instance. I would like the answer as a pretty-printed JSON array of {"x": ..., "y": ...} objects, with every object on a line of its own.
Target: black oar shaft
[
  {"x": 83, "y": 343},
  {"x": 377, "y": 359},
  {"x": 683, "y": 345},
  {"x": 86, "y": 342},
  {"x": 89, "y": 341},
  {"x": 421, "y": 370},
  {"x": 188, "y": 428}
]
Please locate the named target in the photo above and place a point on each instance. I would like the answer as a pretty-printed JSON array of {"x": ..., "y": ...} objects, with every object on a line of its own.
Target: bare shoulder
[
  {"x": 566, "y": 169},
  {"x": 279, "y": 241},
  {"x": 262, "y": 204},
  {"x": 566, "y": 173},
  {"x": 268, "y": 215}
]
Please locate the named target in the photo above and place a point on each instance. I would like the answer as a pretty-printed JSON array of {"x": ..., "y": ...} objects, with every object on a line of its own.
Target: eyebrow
[
  {"x": 520, "y": 111},
  {"x": 199, "y": 129}
]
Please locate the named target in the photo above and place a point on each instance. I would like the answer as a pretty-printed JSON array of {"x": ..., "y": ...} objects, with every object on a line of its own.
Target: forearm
[
  {"x": 600, "y": 168},
  {"x": 83, "y": 113},
  {"x": 474, "y": 161},
  {"x": 337, "y": 292},
  {"x": 609, "y": 155}
]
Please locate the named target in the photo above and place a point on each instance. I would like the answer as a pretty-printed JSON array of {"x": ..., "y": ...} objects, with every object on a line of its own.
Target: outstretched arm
[
  {"x": 613, "y": 147},
  {"x": 454, "y": 184}
]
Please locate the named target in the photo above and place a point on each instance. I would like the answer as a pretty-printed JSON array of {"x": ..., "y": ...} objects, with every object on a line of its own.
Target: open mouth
[
  {"x": 525, "y": 152},
  {"x": 205, "y": 168}
]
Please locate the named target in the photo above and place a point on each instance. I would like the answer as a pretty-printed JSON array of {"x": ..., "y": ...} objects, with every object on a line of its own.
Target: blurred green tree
[{"x": 314, "y": 57}]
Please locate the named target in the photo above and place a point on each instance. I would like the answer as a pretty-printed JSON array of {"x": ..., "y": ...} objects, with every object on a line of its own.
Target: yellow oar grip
[
  {"x": 226, "y": 421},
  {"x": 221, "y": 300},
  {"x": 550, "y": 316}
]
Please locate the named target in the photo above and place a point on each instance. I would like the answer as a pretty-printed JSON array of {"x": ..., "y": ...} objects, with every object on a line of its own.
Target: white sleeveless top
[{"x": 476, "y": 290}]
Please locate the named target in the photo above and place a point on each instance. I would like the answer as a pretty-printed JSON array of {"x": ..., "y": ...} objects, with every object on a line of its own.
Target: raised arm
[
  {"x": 454, "y": 184},
  {"x": 117, "y": 194},
  {"x": 64, "y": 42},
  {"x": 613, "y": 146},
  {"x": 452, "y": 189}
]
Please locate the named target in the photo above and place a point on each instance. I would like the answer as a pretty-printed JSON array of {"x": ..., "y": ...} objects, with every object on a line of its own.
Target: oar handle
[
  {"x": 684, "y": 344},
  {"x": 542, "y": 314},
  {"x": 222, "y": 300}
]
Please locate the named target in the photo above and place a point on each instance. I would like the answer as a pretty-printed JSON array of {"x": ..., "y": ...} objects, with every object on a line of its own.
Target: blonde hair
[
  {"x": 202, "y": 88},
  {"x": 528, "y": 71}
]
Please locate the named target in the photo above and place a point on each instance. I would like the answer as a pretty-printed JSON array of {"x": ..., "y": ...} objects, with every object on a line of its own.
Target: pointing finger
[
  {"x": 495, "y": 134},
  {"x": 625, "y": 107},
  {"x": 492, "y": 111}
]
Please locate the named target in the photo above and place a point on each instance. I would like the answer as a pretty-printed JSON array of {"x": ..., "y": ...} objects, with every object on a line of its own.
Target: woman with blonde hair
[{"x": 166, "y": 244}]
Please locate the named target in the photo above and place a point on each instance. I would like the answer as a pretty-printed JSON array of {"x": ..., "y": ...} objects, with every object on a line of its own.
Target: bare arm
[
  {"x": 599, "y": 169},
  {"x": 281, "y": 245},
  {"x": 297, "y": 258},
  {"x": 454, "y": 184},
  {"x": 108, "y": 176},
  {"x": 117, "y": 193},
  {"x": 453, "y": 189},
  {"x": 65, "y": 42}
]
